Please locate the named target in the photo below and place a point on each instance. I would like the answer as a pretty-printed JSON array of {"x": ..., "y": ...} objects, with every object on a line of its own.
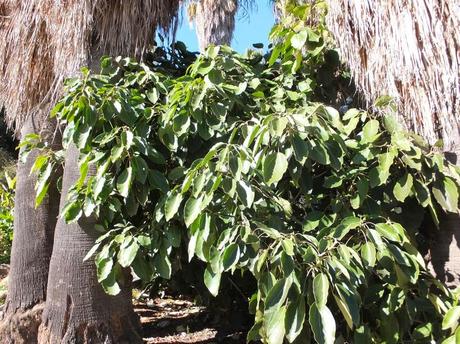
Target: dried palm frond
[
  {"x": 410, "y": 50},
  {"x": 46, "y": 41},
  {"x": 214, "y": 20}
]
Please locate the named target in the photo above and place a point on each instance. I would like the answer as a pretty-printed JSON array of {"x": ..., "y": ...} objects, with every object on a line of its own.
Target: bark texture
[
  {"x": 32, "y": 247},
  {"x": 77, "y": 308},
  {"x": 445, "y": 247}
]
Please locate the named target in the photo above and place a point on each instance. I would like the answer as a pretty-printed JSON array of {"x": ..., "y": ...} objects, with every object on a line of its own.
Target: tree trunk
[
  {"x": 31, "y": 251},
  {"x": 215, "y": 22},
  {"x": 445, "y": 251},
  {"x": 445, "y": 247},
  {"x": 77, "y": 308}
]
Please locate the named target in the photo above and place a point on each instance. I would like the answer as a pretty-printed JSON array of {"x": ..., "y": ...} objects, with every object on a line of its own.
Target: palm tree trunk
[
  {"x": 31, "y": 252},
  {"x": 445, "y": 244},
  {"x": 77, "y": 308},
  {"x": 215, "y": 22}
]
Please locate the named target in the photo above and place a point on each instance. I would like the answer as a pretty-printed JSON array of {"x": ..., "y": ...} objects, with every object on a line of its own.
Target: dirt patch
[{"x": 181, "y": 321}]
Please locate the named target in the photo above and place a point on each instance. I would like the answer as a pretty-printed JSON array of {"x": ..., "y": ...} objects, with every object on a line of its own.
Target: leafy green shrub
[
  {"x": 236, "y": 162},
  {"x": 6, "y": 217}
]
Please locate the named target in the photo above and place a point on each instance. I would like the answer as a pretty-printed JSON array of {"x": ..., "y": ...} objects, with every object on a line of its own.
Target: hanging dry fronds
[
  {"x": 46, "y": 41},
  {"x": 215, "y": 21},
  {"x": 410, "y": 50}
]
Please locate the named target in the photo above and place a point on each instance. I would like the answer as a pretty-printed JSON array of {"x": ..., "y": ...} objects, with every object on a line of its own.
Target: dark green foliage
[
  {"x": 235, "y": 161},
  {"x": 6, "y": 217}
]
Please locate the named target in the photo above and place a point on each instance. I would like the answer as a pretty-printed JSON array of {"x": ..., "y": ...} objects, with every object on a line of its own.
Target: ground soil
[{"x": 180, "y": 321}]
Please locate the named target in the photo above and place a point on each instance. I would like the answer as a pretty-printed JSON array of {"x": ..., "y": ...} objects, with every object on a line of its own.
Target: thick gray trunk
[
  {"x": 77, "y": 308},
  {"x": 445, "y": 247},
  {"x": 31, "y": 251},
  {"x": 445, "y": 251}
]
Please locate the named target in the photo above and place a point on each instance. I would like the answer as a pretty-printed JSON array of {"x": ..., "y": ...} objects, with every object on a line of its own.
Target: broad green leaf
[
  {"x": 212, "y": 281},
  {"x": 322, "y": 323},
  {"x": 192, "y": 209},
  {"x": 351, "y": 302},
  {"x": 157, "y": 180},
  {"x": 127, "y": 138},
  {"x": 172, "y": 204},
  {"x": 299, "y": 39},
  {"x": 368, "y": 253},
  {"x": 42, "y": 184},
  {"x": 277, "y": 295},
  {"x": 295, "y": 317},
  {"x": 301, "y": 148},
  {"x": 422, "y": 193},
  {"x": 162, "y": 265},
  {"x": 370, "y": 131},
  {"x": 403, "y": 187},
  {"x": 278, "y": 125},
  {"x": 274, "y": 326},
  {"x": 104, "y": 268},
  {"x": 346, "y": 225},
  {"x": 446, "y": 194},
  {"x": 345, "y": 311},
  {"x": 110, "y": 285},
  {"x": 142, "y": 268},
  {"x": 230, "y": 256},
  {"x": 321, "y": 289},
  {"x": 312, "y": 220},
  {"x": 91, "y": 252},
  {"x": 140, "y": 169},
  {"x": 124, "y": 181},
  {"x": 144, "y": 240},
  {"x": 333, "y": 181},
  {"x": 451, "y": 319},
  {"x": 320, "y": 154},
  {"x": 127, "y": 253},
  {"x": 388, "y": 231},
  {"x": 245, "y": 193},
  {"x": 274, "y": 167},
  {"x": 72, "y": 211}
]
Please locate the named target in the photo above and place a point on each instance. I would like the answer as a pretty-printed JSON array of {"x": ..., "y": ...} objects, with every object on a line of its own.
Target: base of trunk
[
  {"x": 113, "y": 331},
  {"x": 444, "y": 261},
  {"x": 22, "y": 326}
]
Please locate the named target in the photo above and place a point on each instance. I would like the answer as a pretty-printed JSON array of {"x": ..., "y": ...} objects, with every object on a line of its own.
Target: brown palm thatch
[
  {"x": 410, "y": 50},
  {"x": 214, "y": 21},
  {"x": 45, "y": 41}
]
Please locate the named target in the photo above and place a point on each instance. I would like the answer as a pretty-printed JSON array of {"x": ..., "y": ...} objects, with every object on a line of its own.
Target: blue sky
[{"x": 253, "y": 27}]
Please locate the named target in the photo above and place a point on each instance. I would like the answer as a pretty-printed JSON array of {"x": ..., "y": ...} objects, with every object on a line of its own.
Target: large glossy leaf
[
  {"x": 124, "y": 182},
  {"x": 274, "y": 325},
  {"x": 274, "y": 167},
  {"x": 192, "y": 209},
  {"x": 322, "y": 323},
  {"x": 403, "y": 187},
  {"x": 368, "y": 253},
  {"x": 295, "y": 317},
  {"x": 230, "y": 256},
  {"x": 127, "y": 253},
  {"x": 451, "y": 319},
  {"x": 446, "y": 194},
  {"x": 277, "y": 294},
  {"x": 162, "y": 265},
  {"x": 370, "y": 131},
  {"x": 172, "y": 204},
  {"x": 212, "y": 281},
  {"x": 301, "y": 149},
  {"x": 321, "y": 289},
  {"x": 245, "y": 193}
]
